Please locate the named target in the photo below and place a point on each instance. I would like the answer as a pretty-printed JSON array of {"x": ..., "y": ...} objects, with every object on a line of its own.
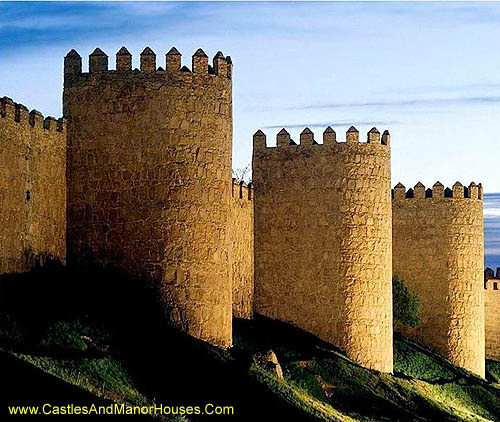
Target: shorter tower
[
  {"x": 438, "y": 251},
  {"x": 323, "y": 239}
]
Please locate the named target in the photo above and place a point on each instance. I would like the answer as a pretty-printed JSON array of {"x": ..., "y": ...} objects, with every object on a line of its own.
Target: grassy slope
[{"x": 127, "y": 361}]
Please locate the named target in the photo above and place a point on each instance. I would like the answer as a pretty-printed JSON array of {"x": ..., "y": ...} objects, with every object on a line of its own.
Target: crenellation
[
  {"x": 200, "y": 62},
  {"x": 458, "y": 190},
  {"x": 148, "y": 60},
  {"x": 98, "y": 67},
  {"x": 8, "y": 108},
  {"x": 386, "y": 138},
  {"x": 373, "y": 136},
  {"x": 50, "y": 123},
  {"x": 98, "y": 61},
  {"x": 329, "y": 137},
  {"x": 22, "y": 113},
  {"x": 283, "y": 139},
  {"x": 259, "y": 140},
  {"x": 36, "y": 119},
  {"x": 307, "y": 137},
  {"x": 474, "y": 191},
  {"x": 72, "y": 63},
  {"x": 22, "y": 116},
  {"x": 438, "y": 191},
  {"x": 62, "y": 125},
  {"x": 419, "y": 191},
  {"x": 123, "y": 60},
  {"x": 352, "y": 135},
  {"x": 220, "y": 64},
  {"x": 173, "y": 60},
  {"x": 399, "y": 191}
]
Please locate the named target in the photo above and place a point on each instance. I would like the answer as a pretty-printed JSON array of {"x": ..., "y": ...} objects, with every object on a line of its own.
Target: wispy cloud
[
  {"x": 491, "y": 212},
  {"x": 338, "y": 123},
  {"x": 402, "y": 103}
]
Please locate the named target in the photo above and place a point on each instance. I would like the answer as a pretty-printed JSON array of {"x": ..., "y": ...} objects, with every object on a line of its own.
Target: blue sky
[
  {"x": 492, "y": 230},
  {"x": 429, "y": 72}
]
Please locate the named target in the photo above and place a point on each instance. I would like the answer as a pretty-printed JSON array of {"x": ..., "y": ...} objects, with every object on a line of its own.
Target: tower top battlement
[
  {"x": 98, "y": 63},
  {"x": 20, "y": 114},
  {"x": 284, "y": 140},
  {"x": 438, "y": 191}
]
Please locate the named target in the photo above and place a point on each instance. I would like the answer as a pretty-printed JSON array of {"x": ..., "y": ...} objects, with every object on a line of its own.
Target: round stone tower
[
  {"x": 149, "y": 160},
  {"x": 438, "y": 251},
  {"x": 323, "y": 239}
]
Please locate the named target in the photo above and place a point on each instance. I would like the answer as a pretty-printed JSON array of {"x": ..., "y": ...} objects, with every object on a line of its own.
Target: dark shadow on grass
[{"x": 165, "y": 364}]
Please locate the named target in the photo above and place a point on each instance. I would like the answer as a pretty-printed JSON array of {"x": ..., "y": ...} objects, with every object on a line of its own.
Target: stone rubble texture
[
  {"x": 140, "y": 181},
  {"x": 149, "y": 170},
  {"x": 323, "y": 240},
  {"x": 438, "y": 249},
  {"x": 32, "y": 187},
  {"x": 241, "y": 249}
]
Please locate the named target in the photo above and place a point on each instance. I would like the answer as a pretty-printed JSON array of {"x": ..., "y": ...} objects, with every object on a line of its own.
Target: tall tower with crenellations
[
  {"x": 323, "y": 239},
  {"x": 149, "y": 160},
  {"x": 438, "y": 249}
]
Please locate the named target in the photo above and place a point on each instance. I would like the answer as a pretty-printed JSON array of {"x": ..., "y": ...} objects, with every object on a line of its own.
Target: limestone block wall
[
  {"x": 32, "y": 187},
  {"x": 323, "y": 239},
  {"x": 149, "y": 161},
  {"x": 241, "y": 245},
  {"x": 492, "y": 314},
  {"x": 438, "y": 249}
]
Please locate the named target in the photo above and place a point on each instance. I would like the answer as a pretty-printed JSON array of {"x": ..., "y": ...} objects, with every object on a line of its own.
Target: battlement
[
  {"x": 98, "y": 64},
  {"x": 307, "y": 139},
  {"x": 20, "y": 114},
  {"x": 492, "y": 279},
  {"x": 438, "y": 191},
  {"x": 240, "y": 190},
  {"x": 489, "y": 273}
]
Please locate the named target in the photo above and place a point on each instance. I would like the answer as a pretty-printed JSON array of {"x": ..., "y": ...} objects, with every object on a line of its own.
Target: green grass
[
  {"x": 425, "y": 387},
  {"x": 120, "y": 354}
]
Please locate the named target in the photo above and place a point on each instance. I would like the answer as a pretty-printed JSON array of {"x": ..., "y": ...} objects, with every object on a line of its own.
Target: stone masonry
[
  {"x": 241, "y": 243},
  {"x": 323, "y": 239},
  {"x": 139, "y": 180},
  {"x": 492, "y": 313},
  {"x": 32, "y": 187},
  {"x": 149, "y": 165},
  {"x": 438, "y": 250}
]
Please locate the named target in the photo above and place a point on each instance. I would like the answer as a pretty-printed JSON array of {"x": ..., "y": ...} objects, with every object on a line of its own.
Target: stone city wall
[
  {"x": 241, "y": 249},
  {"x": 492, "y": 313},
  {"x": 32, "y": 187}
]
